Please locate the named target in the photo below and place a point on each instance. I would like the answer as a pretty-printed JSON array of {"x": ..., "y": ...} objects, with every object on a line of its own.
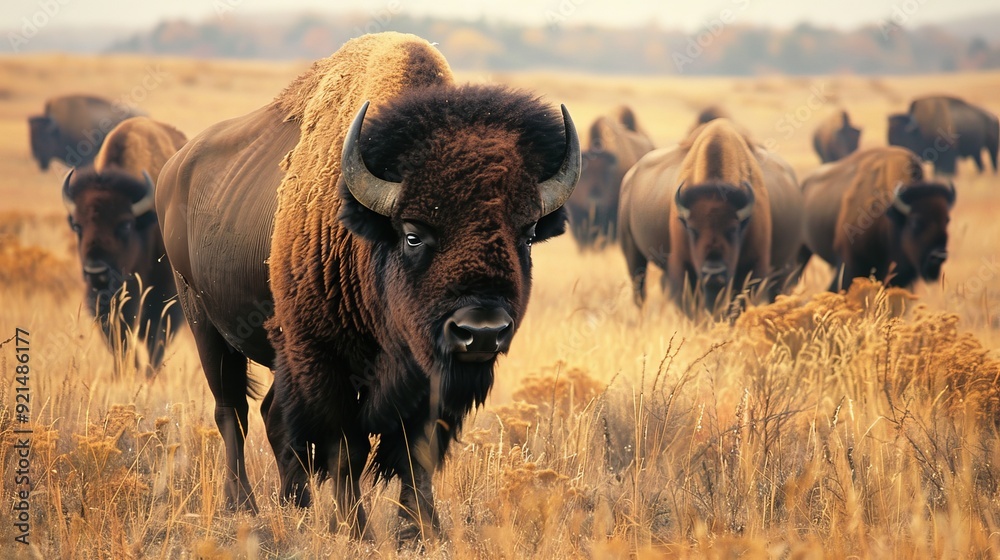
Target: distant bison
[
  {"x": 110, "y": 208},
  {"x": 835, "y": 138},
  {"x": 713, "y": 212},
  {"x": 72, "y": 129},
  {"x": 941, "y": 129},
  {"x": 616, "y": 143},
  {"x": 393, "y": 253},
  {"x": 873, "y": 213}
]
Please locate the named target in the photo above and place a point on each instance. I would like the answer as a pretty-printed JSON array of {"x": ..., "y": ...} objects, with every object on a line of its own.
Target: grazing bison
[
  {"x": 395, "y": 257},
  {"x": 873, "y": 213},
  {"x": 616, "y": 143},
  {"x": 835, "y": 138},
  {"x": 73, "y": 128},
  {"x": 713, "y": 212},
  {"x": 941, "y": 129},
  {"x": 110, "y": 207}
]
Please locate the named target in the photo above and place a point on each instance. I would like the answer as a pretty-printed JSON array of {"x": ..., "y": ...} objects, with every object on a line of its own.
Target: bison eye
[
  {"x": 413, "y": 240},
  {"x": 529, "y": 234},
  {"x": 76, "y": 228}
]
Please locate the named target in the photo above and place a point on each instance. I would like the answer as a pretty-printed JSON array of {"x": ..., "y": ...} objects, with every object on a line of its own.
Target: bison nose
[
  {"x": 477, "y": 334},
  {"x": 97, "y": 274}
]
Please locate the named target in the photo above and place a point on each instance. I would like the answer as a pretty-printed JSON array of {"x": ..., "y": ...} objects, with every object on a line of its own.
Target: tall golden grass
[{"x": 855, "y": 425}]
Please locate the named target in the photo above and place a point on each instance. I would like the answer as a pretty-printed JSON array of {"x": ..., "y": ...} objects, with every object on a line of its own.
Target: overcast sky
[{"x": 687, "y": 14}]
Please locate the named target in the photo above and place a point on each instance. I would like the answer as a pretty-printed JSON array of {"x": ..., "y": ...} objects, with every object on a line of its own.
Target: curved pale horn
[
  {"x": 555, "y": 191},
  {"x": 744, "y": 213},
  {"x": 67, "y": 201},
  {"x": 377, "y": 195},
  {"x": 897, "y": 200},
  {"x": 683, "y": 212},
  {"x": 145, "y": 204}
]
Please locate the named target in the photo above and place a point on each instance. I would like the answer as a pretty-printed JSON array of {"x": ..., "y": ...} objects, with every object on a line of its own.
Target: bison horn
[
  {"x": 744, "y": 213},
  {"x": 377, "y": 195},
  {"x": 897, "y": 200},
  {"x": 683, "y": 212},
  {"x": 555, "y": 190},
  {"x": 67, "y": 201},
  {"x": 145, "y": 204}
]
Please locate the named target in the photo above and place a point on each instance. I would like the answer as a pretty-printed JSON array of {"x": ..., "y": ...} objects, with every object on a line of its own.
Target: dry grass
[{"x": 821, "y": 426}]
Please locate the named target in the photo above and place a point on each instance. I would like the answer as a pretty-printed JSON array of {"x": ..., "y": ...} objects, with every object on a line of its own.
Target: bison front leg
[
  {"x": 425, "y": 448},
  {"x": 347, "y": 462}
]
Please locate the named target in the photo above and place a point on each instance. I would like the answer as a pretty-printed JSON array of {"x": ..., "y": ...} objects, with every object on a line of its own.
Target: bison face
[
  {"x": 111, "y": 214},
  {"x": 904, "y": 132},
  {"x": 44, "y": 137},
  {"x": 920, "y": 214},
  {"x": 594, "y": 204},
  {"x": 451, "y": 240},
  {"x": 715, "y": 217}
]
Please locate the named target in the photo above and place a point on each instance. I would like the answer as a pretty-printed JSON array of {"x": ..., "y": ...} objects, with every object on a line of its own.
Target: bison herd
[{"x": 377, "y": 220}]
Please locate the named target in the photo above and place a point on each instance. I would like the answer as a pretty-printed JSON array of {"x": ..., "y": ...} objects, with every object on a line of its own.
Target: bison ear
[
  {"x": 551, "y": 224},
  {"x": 361, "y": 221}
]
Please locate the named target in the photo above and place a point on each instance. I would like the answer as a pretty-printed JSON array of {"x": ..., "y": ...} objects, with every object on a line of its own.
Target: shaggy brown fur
[{"x": 852, "y": 222}]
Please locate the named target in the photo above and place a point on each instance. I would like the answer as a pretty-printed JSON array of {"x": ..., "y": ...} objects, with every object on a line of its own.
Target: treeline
[{"x": 719, "y": 48}]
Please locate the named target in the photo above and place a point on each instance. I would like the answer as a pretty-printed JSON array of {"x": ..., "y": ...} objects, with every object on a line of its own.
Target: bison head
[
  {"x": 593, "y": 208},
  {"x": 451, "y": 187},
  {"x": 904, "y": 132},
  {"x": 44, "y": 136},
  {"x": 715, "y": 218},
  {"x": 111, "y": 214},
  {"x": 920, "y": 213}
]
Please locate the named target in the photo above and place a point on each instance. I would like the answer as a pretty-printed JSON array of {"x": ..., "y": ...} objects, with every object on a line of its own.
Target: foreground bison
[
  {"x": 873, "y": 213},
  {"x": 835, "y": 138},
  {"x": 940, "y": 129},
  {"x": 616, "y": 143},
  {"x": 395, "y": 257},
  {"x": 714, "y": 212},
  {"x": 73, "y": 128},
  {"x": 121, "y": 251}
]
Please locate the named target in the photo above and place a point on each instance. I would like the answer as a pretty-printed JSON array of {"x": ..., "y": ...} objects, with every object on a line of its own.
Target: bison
[
  {"x": 110, "y": 207},
  {"x": 941, "y": 129},
  {"x": 716, "y": 213},
  {"x": 73, "y": 127},
  {"x": 390, "y": 254},
  {"x": 616, "y": 143},
  {"x": 874, "y": 214},
  {"x": 835, "y": 138}
]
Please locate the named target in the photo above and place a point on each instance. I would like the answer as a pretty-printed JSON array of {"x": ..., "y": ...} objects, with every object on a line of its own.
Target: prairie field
[{"x": 859, "y": 425}]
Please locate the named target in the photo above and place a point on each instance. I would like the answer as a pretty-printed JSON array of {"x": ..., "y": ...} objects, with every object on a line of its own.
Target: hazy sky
[{"x": 686, "y": 14}]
